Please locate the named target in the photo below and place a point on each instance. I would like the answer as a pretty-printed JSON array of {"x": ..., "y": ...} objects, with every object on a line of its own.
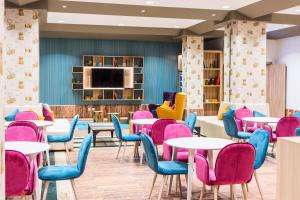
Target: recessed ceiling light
[
  {"x": 177, "y": 26},
  {"x": 61, "y": 21},
  {"x": 64, "y": 6},
  {"x": 120, "y": 24},
  {"x": 143, "y": 11},
  {"x": 286, "y": 25},
  {"x": 213, "y": 15},
  {"x": 225, "y": 7},
  {"x": 150, "y": 2},
  {"x": 298, "y": 10}
]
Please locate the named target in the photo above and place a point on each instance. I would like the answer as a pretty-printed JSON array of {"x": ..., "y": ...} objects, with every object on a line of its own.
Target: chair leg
[
  {"x": 202, "y": 191},
  {"x": 68, "y": 154},
  {"x": 119, "y": 150},
  {"x": 273, "y": 146},
  {"x": 215, "y": 192},
  {"x": 244, "y": 191},
  {"x": 162, "y": 186},
  {"x": 125, "y": 145},
  {"x": 156, "y": 150},
  {"x": 247, "y": 188},
  {"x": 170, "y": 184},
  {"x": 45, "y": 190},
  {"x": 257, "y": 182},
  {"x": 232, "y": 192},
  {"x": 152, "y": 186},
  {"x": 74, "y": 188},
  {"x": 179, "y": 184}
]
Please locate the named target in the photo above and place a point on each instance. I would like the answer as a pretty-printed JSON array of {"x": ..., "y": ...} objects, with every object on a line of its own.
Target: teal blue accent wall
[{"x": 57, "y": 56}]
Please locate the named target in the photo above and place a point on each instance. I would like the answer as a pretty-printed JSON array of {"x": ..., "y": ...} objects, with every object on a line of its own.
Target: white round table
[
  {"x": 260, "y": 120},
  {"x": 192, "y": 144}
]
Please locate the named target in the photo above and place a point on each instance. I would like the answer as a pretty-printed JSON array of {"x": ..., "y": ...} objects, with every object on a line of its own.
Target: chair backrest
[
  {"x": 158, "y": 129},
  {"x": 117, "y": 126},
  {"x": 150, "y": 152},
  {"x": 28, "y": 124},
  {"x": 26, "y": 115},
  {"x": 180, "y": 100},
  {"x": 234, "y": 164},
  {"x": 17, "y": 173},
  {"x": 169, "y": 96},
  {"x": 297, "y": 114},
  {"x": 260, "y": 140},
  {"x": 174, "y": 131},
  {"x": 191, "y": 120},
  {"x": 83, "y": 153},
  {"x": 73, "y": 126},
  {"x": 230, "y": 124},
  {"x": 258, "y": 114},
  {"x": 21, "y": 133},
  {"x": 243, "y": 112},
  {"x": 142, "y": 114},
  {"x": 286, "y": 127}
]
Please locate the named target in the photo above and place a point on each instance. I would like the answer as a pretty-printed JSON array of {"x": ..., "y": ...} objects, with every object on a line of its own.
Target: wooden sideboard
[{"x": 288, "y": 168}]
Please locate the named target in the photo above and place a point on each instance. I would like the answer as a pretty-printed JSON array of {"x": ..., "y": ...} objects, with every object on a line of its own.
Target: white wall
[{"x": 287, "y": 51}]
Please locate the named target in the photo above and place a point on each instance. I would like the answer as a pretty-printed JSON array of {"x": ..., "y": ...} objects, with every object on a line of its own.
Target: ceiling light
[
  {"x": 64, "y": 6},
  {"x": 286, "y": 25},
  {"x": 177, "y": 26},
  {"x": 143, "y": 11},
  {"x": 121, "y": 24},
  {"x": 61, "y": 21},
  {"x": 150, "y": 2},
  {"x": 213, "y": 15},
  {"x": 225, "y": 7},
  {"x": 298, "y": 10}
]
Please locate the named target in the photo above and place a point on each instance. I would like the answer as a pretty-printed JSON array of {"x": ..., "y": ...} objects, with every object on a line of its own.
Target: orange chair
[{"x": 175, "y": 112}]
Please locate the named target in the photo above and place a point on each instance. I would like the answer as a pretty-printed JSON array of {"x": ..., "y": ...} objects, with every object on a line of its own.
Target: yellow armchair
[{"x": 164, "y": 112}]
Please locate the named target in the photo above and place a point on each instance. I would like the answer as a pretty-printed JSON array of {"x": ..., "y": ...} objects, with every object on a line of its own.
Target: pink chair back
[
  {"x": 21, "y": 133},
  {"x": 286, "y": 127},
  {"x": 17, "y": 174},
  {"x": 239, "y": 114},
  {"x": 142, "y": 114},
  {"x": 26, "y": 115},
  {"x": 158, "y": 129},
  {"x": 28, "y": 124},
  {"x": 234, "y": 164}
]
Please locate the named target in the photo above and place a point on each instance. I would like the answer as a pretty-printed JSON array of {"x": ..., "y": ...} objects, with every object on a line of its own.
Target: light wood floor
[{"x": 106, "y": 178}]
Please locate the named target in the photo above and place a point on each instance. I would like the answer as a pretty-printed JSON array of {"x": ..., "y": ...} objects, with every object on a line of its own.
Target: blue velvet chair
[
  {"x": 66, "y": 172},
  {"x": 124, "y": 137},
  {"x": 297, "y": 114},
  {"x": 165, "y": 168},
  {"x": 65, "y": 138},
  {"x": 231, "y": 127},
  {"x": 260, "y": 140},
  {"x": 190, "y": 121},
  {"x": 167, "y": 96}
]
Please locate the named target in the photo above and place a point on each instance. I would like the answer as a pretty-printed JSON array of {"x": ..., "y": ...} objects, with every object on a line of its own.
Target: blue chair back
[
  {"x": 230, "y": 124},
  {"x": 258, "y": 114},
  {"x": 73, "y": 126},
  {"x": 117, "y": 125},
  {"x": 150, "y": 152},
  {"x": 190, "y": 121},
  {"x": 297, "y": 114},
  {"x": 260, "y": 140},
  {"x": 83, "y": 153}
]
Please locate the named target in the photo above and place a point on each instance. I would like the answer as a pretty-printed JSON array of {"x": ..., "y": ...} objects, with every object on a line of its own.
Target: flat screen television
[{"x": 107, "y": 78}]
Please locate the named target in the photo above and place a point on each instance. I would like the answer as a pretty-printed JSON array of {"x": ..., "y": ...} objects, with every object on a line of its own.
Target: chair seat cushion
[
  {"x": 243, "y": 135},
  {"x": 131, "y": 137},
  {"x": 172, "y": 167},
  {"x": 59, "y": 172},
  {"x": 58, "y": 138},
  {"x": 183, "y": 156}
]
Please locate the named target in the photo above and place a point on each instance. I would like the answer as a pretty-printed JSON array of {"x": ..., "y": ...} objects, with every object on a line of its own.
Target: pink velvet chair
[
  {"x": 234, "y": 165},
  {"x": 142, "y": 114},
  {"x": 20, "y": 175},
  {"x": 21, "y": 133},
  {"x": 176, "y": 131},
  {"x": 239, "y": 114},
  {"x": 158, "y": 129},
  {"x": 26, "y": 115}
]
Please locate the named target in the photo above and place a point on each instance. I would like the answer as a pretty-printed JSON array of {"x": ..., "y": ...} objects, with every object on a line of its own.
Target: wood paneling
[{"x": 276, "y": 89}]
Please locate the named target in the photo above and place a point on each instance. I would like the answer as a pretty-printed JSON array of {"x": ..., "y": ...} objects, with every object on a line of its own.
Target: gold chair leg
[
  {"x": 120, "y": 145},
  {"x": 162, "y": 186},
  {"x": 45, "y": 190},
  {"x": 74, "y": 188},
  {"x": 152, "y": 186},
  {"x": 232, "y": 192},
  {"x": 257, "y": 182},
  {"x": 170, "y": 184},
  {"x": 244, "y": 191},
  {"x": 202, "y": 191},
  {"x": 125, "y": 145},
  {"x": 179, "y": 184},
  {"x": 215, "y": 192},
  {"x": 68, "y": 154}
]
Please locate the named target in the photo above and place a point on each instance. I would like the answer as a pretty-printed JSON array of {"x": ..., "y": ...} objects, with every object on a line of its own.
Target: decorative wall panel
[
  {"x": 192, "y": 71},
  {"x": 245, "y": 68},
  {"x": 21, "y": 57}
]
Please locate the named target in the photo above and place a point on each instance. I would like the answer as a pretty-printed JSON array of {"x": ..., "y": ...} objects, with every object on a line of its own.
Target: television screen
[{"x": 107, "y": 78}]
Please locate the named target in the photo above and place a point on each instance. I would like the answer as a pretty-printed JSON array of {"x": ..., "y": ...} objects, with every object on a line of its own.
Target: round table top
[
  {"x": 27, "y": 148},
  {"x": 148, "y": 121},
  {"x": 204, "y": 143},
  {"x": 38, "y": 123},
  {"x": 261, "y": 119}
]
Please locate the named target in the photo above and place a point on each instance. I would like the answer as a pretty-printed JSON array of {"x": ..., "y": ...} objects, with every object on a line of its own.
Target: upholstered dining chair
[
  {"x": 66, "y": 172},
  {"x": 260, "y": 140},
  {"x": 239, "y": 114},
  {"x": 124, "y": 137},
  {"x": 190, "y": 121},
  {"x": 20, "y": 175},
  {"x": 158, "y": 129},
  {"x": 234, "y": 165},
  {"x": 165, "y": 168},
  {"x": 26, "y": 115},
  {"x": 231, "y": 128},
  {"x": 65, "y": 138},
  {"x": 142, "y": 114}
]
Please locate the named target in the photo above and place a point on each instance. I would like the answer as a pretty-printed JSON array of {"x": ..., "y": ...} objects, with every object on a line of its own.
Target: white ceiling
[
  {"x": 291, "y": 11},
  {"x": 275, "y": 27},
  {"x": 200, "y": 4},
  {"x": 115, "y": 20}
]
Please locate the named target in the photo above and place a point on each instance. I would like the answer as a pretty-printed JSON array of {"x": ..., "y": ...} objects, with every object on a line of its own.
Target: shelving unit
[{"x": 133, "y": 78}]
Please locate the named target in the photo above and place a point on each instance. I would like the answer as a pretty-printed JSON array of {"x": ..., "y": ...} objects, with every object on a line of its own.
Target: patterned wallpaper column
[
  {"x": 21, "y": 57},
  {"x": 2, "y": 158},
  {"x": 192, "y": 71},
  {"x": 247, "y": 78}
]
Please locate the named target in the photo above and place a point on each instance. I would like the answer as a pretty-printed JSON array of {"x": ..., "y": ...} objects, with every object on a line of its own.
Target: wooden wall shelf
[{"x": 133, "y": 80}]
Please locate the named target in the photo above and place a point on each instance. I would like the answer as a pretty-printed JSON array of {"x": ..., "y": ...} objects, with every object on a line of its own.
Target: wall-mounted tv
[{"x": 107, "y": 78}]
